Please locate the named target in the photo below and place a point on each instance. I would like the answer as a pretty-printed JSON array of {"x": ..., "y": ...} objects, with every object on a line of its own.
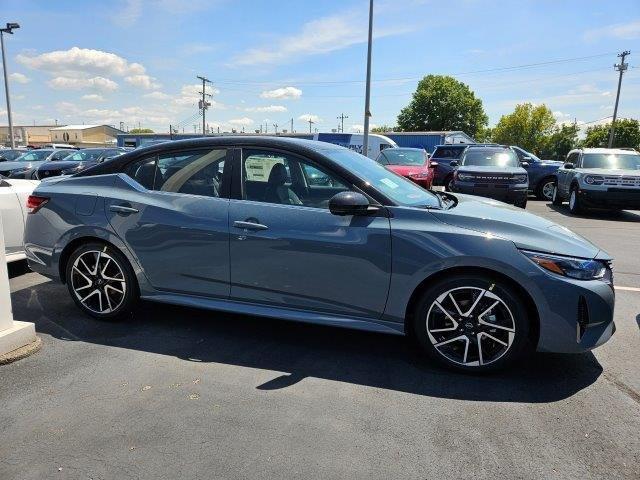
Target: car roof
[{"x": 619, "y": 151}]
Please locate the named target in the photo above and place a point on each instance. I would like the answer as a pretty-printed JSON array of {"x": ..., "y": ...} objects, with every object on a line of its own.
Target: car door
[
  {"x": 171, "y": 211},
  {"x": 12, "y": 218},
  {"x": 288, "y": 250},
  {"x": 565, "y": 175}
]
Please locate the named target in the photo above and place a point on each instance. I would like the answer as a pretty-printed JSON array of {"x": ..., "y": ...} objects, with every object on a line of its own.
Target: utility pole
[
  {"x": 367, "y": 98},
  {"x": 8, "y": 29},
  {"x": 311, "y": 122},
  {"x": 621, "y": 67},
  {"x": 341, "y": 118},
  {"x": 203, "y": 103},
  {"x": 275, "y": 126},
  {"x": 292, "y": 125}
]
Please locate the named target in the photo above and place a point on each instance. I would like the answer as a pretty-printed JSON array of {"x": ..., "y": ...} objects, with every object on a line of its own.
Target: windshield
[
  {"x": 405, "y": 157},
  {"x": 611, "y": 161},
  {"x": 84, "y": 155},
  {"x": 484, "y": 157},
  {"x": 402, "y": 191},
  {"x": 10, "y": 155},
  {"x": 34, "y": 156}
]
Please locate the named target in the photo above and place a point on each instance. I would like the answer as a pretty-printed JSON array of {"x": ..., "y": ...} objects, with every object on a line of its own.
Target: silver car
[
  {"x": 599, "y": 178},
  {"x": 238, "y": 224}
]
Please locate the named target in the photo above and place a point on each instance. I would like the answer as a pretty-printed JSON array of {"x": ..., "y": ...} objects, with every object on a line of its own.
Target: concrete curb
[{"x": 22, "y": 352}]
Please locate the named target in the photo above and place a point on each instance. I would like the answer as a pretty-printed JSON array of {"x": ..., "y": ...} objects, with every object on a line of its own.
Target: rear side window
[
  {"x": 452, "y": 153},
  {"x": 197, "y": 172}
]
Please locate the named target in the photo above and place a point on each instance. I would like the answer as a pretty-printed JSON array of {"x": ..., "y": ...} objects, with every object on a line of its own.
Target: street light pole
[
  {"x": 621, "y": 67},
  {"x": 367, "y": 112},
  {"x": 8, "y": 29}
]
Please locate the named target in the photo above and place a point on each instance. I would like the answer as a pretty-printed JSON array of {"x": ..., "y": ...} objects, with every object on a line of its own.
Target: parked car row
[{"x": 48, "y": 162}]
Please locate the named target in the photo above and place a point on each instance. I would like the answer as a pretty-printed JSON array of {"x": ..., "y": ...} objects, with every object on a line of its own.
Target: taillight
[{"x": 35, "y": 203}]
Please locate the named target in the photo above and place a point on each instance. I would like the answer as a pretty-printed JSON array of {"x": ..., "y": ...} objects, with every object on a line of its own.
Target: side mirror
[
  {"x": 433, "y": 164},
  {"x": 454, "y": 163},
  {"x": 349, "y": 203},
  {"x": 524, "y": 164},
  {"x": 569, "y": 166}
]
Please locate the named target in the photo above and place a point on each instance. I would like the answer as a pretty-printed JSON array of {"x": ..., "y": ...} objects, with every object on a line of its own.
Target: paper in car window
[{"x": 389, "y": 183}]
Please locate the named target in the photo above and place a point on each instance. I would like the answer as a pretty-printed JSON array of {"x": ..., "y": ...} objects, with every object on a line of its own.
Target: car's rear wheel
[
  {"x": 556, "y": 199},
  {"x": 471, "y": 323},
  {"x": 544, "y": 190},
  {"x": 101, "y": 281},
  {"x": 575, "y": 205}
]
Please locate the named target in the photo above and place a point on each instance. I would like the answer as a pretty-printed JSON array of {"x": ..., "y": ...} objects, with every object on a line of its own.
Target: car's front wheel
[
  {"x": 556, "y": 199},
  {"x": 575, "y": 205},
  {"x": 101, "y": 281},
  {"x": 448, "y": 184},
  {"x": 471, "y": 323}
]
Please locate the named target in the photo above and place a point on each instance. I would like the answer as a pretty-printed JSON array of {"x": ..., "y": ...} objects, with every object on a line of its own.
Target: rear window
[{"x": 452, "y": 153}]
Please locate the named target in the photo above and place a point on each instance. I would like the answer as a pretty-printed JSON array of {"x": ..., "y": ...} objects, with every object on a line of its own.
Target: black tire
[
  {"x": 426, "y": 312},
  {"x": 575, "y": 204},
  {"x": 521, "y": 204},
  {"x": 544, "y": 185},
  {"x": 111, "y": 264},
  {"x": 557, "y": 199},
  {"x": 448, "y": 183}
]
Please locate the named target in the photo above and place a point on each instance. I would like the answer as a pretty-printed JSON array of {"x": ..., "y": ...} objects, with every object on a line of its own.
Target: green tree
[
  {"x": 626, "y": 134},
  {"x": 383, "y": 129},
  {"x": 140, "y": 130},
  {"x": 528, "y": 127},
  {"x": 560, "y": 142},
  {"x": 443, "y": 103}
]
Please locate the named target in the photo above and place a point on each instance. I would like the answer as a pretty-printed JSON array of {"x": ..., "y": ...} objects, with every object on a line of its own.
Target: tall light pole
[
  {"x": 203, "y": 103},
  {"x": 621, "y": 67},
  {"x": 8, "y": 29},
  {"x": 367, "y": 99}
]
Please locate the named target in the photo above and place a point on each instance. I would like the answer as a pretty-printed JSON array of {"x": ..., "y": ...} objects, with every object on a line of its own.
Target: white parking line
[{"x": 629, "y": 289}]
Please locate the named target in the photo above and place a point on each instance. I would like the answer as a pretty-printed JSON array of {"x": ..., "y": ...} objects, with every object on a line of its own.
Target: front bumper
[
  {"x": 516, "y": 193},
  {"x": 623, "y": 198}
]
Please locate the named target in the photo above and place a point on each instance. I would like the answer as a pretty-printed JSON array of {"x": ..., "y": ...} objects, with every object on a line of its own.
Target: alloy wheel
[
  {"x": 470, "y": 326},
  {"x": 572, "y": 200},
  {"x": 98, "y": 282},
  {"x": 548, "y": 189}
]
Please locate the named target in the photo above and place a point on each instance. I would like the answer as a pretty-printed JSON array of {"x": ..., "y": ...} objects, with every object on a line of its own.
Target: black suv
[
  {"x": 491, "y": 171},
  {"x": 442, "y": 157}
]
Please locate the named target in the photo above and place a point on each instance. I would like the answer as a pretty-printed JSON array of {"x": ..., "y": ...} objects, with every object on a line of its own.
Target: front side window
[
  {"x": 60, "y": 155},
  {"x": 572, "y": 158},
  {"x": 34, "y": 156},
  {"x": 279, "y": 178}
]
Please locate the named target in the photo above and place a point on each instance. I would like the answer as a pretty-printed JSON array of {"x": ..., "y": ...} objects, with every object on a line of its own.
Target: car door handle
[
  {"x": 249, "y": 225},
  {"x": 123, "y": 209}
]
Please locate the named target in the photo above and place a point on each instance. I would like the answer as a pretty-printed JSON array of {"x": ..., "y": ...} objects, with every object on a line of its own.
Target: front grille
[
  {"x": 622, "y": 181},
  {"x": 491, "y": 178}
]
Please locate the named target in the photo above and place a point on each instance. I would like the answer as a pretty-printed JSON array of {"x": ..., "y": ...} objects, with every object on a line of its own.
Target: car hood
[
  {"x": 406, "y": 170},
  {"x": 606, "y": 171},
  {"x": 492, "y": 169},
  {"x": 525, "y": 230},
  {"x": 9, "y": 166}
]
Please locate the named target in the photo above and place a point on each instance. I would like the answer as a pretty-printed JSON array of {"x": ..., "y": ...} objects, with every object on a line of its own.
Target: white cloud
[
  {"x": 285, "y": 93},
  {"x": 81, "y": 60},
  {"x": 128, "y": 14},
  {"x": 190, "y": 95},
  {"x": 307, "y": 116},
  {"x": 622, "y": 31},
  {"x": 198, "y": 48},
  {"x": 93, "y": 97},
  {"x": 319, "y": 36},
  {"x": 242, "y": 122},
  {"x": 157, "y": 95},
  {"x": 358, "y": 128},
  {"x": 69, "y": 83},
  {"x": 19, "y": 78},
  {"x": 270, "y": 108},
  {"x": 560, "y": 115},
  {"x": 142, "y": 81}
]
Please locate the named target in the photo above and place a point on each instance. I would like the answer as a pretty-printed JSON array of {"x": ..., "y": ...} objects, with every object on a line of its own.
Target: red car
[{"x": 412, "y": 163}]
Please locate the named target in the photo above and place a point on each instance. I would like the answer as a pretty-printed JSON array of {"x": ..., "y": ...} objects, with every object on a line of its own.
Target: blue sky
[{"x": 136, "y": 61}]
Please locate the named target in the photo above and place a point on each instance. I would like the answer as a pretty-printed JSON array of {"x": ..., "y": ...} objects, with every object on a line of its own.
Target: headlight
[
  {"x": 419, "y": 175},
  {"x": 579, "y": 268},
  {"x": 520, "y": 178},
  {"x": 594, "y": 179}
]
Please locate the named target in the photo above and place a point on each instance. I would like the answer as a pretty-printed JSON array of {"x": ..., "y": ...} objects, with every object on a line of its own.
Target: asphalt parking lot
[{"x": 181, "y": 393}]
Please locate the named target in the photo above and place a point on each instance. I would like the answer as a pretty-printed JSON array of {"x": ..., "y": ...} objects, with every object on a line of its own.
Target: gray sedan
[
  {"x": 25, "y": 165},
  {"x": 237, "y": 224}
]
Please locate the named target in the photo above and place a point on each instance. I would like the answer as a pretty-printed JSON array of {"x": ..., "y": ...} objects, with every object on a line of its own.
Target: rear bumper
[
  {"x": 623, "y": 199},
  {"x": 505, "y": 193}
]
